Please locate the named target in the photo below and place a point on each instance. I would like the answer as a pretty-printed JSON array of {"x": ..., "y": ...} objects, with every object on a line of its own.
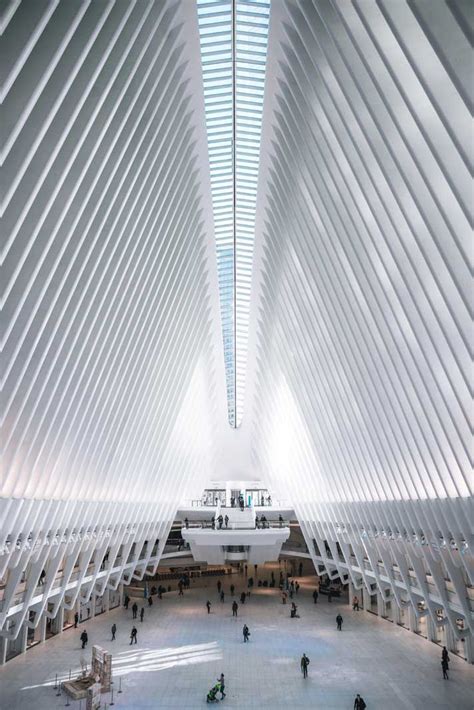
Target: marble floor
[{"x": 182, "y": 650}]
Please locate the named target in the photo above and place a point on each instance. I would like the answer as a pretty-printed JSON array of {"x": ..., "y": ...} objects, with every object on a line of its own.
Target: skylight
[{"x": 234, "y": 36}]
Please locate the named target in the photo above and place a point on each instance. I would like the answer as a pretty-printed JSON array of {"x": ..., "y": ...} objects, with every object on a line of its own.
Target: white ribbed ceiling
[{"x": 354, "y": 218}]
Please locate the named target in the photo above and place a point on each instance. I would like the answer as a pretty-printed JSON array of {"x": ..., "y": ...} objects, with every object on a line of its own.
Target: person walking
[
  {"x": 222, "y": 596},
  {"x": 76, "y": 619},
  {"x": 235, "y": 608},
  {"x": 257, "y": 525},
  {"x": 133, "y": 635},
  {"x": 246, "y": 633},
  {"x": 243, "y": 597},
  {"x": 339, "y": 622},
  {"x": 220, "y": 520},
  {"x": 134, "y": 610},
  {"x": 219, "y": 586},
  {"x": 445, "y": 655},
  {"x": 208, "y": 604},
  {"x": 445, "y": 667},
  {"x": 297, "y": 587},
  {"x": 186, "y": 523},
  {"x": 142, "y": 614},
  {"x": 355, "y": 604},
  {"x": 280, "y": 520},
  {"x": 232, "y": 590},
  {"x": 304, "y": 665},
  {"x": 315, "y": 596},
  {"x": 114, "y": 631},
  {"x": 221, "y": 681},
  {"x": 84, "y": 638},
  {"x": 226, "y": 521},
  {"x": 126, "y": 601},
  {"x": 150, "y": 601},
  {"x": 359, "y": 703}
]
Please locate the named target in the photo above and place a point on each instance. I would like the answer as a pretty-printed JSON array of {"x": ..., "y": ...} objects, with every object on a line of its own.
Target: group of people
[
  {"x": 220, "y": 522},
  {"x": 261, "y": 522}
]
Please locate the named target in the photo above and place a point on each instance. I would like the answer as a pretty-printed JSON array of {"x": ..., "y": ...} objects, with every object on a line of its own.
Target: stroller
[{"x": 211, "y": 696}]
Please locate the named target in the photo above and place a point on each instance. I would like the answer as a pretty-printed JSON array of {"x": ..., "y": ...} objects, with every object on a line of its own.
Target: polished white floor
[{"x": 181, "y": 651}]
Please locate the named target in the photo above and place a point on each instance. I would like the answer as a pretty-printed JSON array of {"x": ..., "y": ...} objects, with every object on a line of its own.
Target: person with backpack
[
  {"x": 359, "y": 703},
  {"x": 304, "y": 665}
]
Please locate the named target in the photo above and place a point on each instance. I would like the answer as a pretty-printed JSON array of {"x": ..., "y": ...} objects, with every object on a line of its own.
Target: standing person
[
  {"x": 221, "y": 681},
  {"x": 213, "y": 523},
  {"x": 280, "y": 520},
  {"x": 246, "y": 633},
  {"x": 142, "y": 613},
  {"x": 220, "y": 520},
  {"x": 133, "y": 635},
  {"x": 339, "y": 622},
  {"x": 150, "y": 600},
  {"x": 208, "y": 604},
  {"x": 114, "y": 631},
  {"x": 304, "y": 665},
  {"x": 355, "y": 604},
  {"x": 256, "y": 522},
  {"x": 226, "y": 521},
  {"x": 300, "y": 569},
  {"x": 445, "y": 667},
  {"x": 84, "y": 638},
  {"x": 297, "y": 587},
  {"x": 219, "y": 586},
  {"x": 235, "y": 608},
  {"x": 232, "y": 590},
  {"x": 359, "y": 703},
  {"x": 126, "y": 601},
  {"x": 222, "y": 596},
  {"x": 243, "y": 597},
  {"x": 245, "y": 569},
  {"x": 315, "y": 596},
  {"x": 186, "y": 523},
  {"x": 134, "y": 610},
  {"x": 445, "y": 655},
  {"x": 76, "y": 619}
]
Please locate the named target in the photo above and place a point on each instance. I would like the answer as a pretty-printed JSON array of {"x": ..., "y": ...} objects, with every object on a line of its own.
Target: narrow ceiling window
[{"x": 234, "y": 35}]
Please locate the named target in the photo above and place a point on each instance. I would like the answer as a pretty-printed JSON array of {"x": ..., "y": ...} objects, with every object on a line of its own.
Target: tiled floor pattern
[{"x": 181, "y": 650}]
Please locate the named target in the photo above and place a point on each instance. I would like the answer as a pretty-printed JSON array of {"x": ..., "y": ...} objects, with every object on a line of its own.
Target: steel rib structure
[{"x": 357, "y": 407}]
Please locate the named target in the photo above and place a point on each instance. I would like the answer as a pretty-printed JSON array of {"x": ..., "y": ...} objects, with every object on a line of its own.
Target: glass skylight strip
[{"x": 234, "y": 103}]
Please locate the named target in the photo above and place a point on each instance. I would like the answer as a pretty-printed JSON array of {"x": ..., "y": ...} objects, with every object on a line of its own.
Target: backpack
[{"x": 362, "y": 704}]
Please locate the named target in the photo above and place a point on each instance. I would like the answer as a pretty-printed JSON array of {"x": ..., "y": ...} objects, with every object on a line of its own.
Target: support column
[
  {"x": 469, "y": 648},
  {"x": 380, "y": 604},
  {"x": 366, "y": 599},
  {"x": 121, "y": 594},
  {"x": 450, "y": 638},
  {"x": 412, "y": 619},
  {"x": 23, "y": 637},
  {"x": 350, "y": 591},
  {"x": 42, "y": 627},
  {"x": 106, "y": 598},
  {"x": 60, "y": 620},
  {"x": 3, "y": 650},
  {"x": 431, "y": 629}
]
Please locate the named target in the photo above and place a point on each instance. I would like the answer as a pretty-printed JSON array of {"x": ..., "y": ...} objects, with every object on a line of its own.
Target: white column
[
  {"x": 3, "y": 650},
  {"x": 366, "y": 599},
  {"x": 350, "y": 590},
  {"x": 59, "y": 620},
  {"x": 23, "y": 637},
  {"x": 469, "y": 648},
  {"x": 106, "y": 598},
  {"x": 413, "y": 621},
  {"x": 380, "y": 604},
  {"x": 42, "y": 626}
]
